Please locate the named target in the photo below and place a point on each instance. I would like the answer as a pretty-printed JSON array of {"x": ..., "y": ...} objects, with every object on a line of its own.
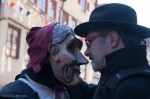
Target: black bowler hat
[{"x": 115, "y": 16}]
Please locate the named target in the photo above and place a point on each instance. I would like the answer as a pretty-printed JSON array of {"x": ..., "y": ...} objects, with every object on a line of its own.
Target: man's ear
[
  {"x": 114, "y": 39},
  {"x": 54, "y": 50}
]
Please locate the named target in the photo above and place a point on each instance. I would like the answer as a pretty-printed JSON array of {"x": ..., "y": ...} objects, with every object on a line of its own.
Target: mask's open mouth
[
  {"x": 76, "y": 70},
  {"x": 70, "y": 71}
]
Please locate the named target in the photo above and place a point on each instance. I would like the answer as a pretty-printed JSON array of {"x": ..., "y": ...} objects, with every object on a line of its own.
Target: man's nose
[{"x": 81, "y": 59}]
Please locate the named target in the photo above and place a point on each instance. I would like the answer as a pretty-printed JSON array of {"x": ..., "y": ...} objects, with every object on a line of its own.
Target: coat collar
[{"x": 125, "y": 58}]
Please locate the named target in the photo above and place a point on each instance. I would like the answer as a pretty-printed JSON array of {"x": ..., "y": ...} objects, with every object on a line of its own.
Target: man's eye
[{"x": 88, "y": 43}]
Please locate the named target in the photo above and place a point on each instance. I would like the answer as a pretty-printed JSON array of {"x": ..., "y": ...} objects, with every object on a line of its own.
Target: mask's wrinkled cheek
[{"x": 68, "y": 73}]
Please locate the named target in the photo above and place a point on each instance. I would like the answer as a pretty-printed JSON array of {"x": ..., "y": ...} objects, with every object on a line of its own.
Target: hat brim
[{"x": 137, "y": 30}]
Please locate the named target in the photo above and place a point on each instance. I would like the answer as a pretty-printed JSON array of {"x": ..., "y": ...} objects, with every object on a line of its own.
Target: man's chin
[{"x": 94, "y": 67}]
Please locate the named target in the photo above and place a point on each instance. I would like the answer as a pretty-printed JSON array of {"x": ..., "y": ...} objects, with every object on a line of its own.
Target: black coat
[
  {"x": 20, "y": 90},
  {"x": 133, "y": 87}
]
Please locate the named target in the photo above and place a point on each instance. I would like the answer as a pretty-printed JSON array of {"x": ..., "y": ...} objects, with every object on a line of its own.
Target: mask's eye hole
[
  {"x": 72, "y": 48},
  {"x": 73, "y": 45},
  {"x": 79, "y": 44}
]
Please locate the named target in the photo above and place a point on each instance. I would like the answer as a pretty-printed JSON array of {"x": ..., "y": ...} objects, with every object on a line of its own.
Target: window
[
  {"x": 73, "y": 23},
  {"x": 83, "y": 72},
  {"x": 65, "y": 17},
  {"x": 0, "y": 9},
  {"x": 88, "y": 6},
  {"x": 33, "y": 1},
  {"x": 95, "y": 3},
  {"x": 83, "y": 5},
  {"x": 96, "y": 77},
  {"x": 148, "y": 51},
  {"x": 43, "y": 5},
  {"x": 52, "y": 8},
  {"x": 26, "y": 56},
  {"x": 12, "y": 42}
]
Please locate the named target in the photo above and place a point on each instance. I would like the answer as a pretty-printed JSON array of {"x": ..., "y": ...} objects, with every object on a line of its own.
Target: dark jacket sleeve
[
  {"x": 82, "y": 91},
  {"x": 17, "y": 90},
  {"x": 133, "y": 88},
  {"x": 88, "y": 90}
]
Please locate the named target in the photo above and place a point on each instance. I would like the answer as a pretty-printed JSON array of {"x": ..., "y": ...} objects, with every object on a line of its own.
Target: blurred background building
[{"x": 18, "y": 16}]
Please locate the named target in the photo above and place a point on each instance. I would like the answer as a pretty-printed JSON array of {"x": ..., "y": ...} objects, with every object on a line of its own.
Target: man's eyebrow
[{"x": 90, "y": 36}]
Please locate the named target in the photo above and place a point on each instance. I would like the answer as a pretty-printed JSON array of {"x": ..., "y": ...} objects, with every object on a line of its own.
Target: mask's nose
[{"x": 81, "y": 59}]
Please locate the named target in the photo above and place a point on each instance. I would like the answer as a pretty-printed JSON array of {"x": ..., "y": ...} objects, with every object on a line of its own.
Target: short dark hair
[{"x": 127, "y": 38}]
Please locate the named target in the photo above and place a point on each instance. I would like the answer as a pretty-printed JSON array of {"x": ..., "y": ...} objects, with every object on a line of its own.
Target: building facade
[{"x": 18, "y": 16}]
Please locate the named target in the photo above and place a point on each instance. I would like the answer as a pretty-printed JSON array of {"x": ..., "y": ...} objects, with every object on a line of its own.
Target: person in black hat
[{"x": 116, "y": 46}]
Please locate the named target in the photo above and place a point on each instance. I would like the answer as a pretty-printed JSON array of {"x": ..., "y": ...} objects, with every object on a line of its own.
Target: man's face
[
  {"x": 66, "y": 61},
  {"x": 96, "y": 50}
]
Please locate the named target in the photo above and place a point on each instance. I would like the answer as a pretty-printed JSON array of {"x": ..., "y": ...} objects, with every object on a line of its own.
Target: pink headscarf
[{"x": 38, "y": 40}]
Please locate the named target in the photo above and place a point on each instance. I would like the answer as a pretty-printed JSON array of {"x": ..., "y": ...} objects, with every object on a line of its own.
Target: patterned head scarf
[{"x": 39, "y": 38}]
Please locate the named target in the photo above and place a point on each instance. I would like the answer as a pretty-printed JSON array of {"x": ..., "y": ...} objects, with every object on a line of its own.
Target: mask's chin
[
  {"x": 75, "y": 80},
  {"x": 69, "y": 76},
  {"x": 72, "y": 77}
]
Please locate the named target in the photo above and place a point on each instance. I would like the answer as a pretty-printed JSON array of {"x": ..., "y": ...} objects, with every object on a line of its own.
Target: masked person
[
  {"x": 53, "y": 68},
  {"x": 116, "y": 46}
]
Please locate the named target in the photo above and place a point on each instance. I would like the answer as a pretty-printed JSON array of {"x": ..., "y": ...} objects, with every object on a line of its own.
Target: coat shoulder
[
  {"x": 82, "y": 91},
  {"x": 137, "y": 87}
]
